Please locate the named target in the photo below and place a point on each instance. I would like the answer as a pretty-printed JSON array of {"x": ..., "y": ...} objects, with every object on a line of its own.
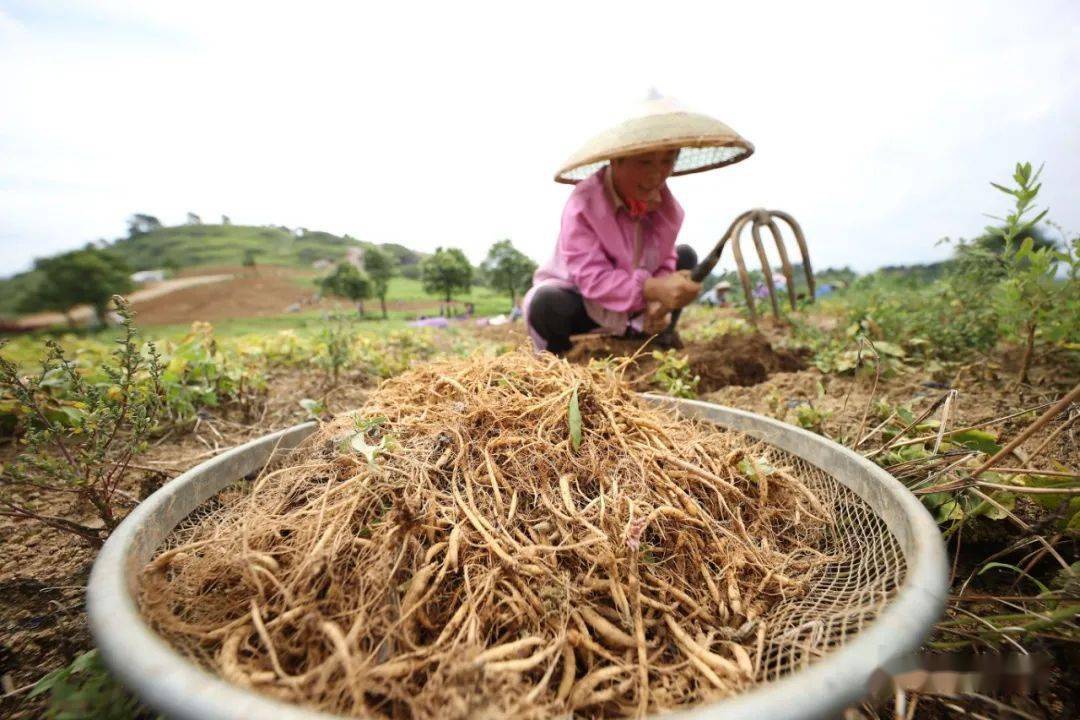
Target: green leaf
[
  {"x": 46, "y": 683},
  {"x": 887, "y": 348},
  {"x": 85, "y": 661},
  {"x": 1007, "y": 500},
  {"x": 359, "y": 444},
  {"x": 904, "y": 414},
  {"x": 979, "y": 440},
  {"x": 574, "y": 420},
  {"x": 1007, "y": 566},
  {"x": 949, "y": 510},
  {"x": 932, "y": 501},
  {"x": 314, "y": 408},
  {"x": 1047, "y": 501},
  {"x": 1074, "y": 520}
]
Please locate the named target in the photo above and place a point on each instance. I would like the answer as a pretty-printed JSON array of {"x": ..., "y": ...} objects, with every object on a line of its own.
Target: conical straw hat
[{"x": 660, "y": 124}]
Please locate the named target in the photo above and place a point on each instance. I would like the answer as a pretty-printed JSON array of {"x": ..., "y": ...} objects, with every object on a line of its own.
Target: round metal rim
[{"x": 170, "y": 684}]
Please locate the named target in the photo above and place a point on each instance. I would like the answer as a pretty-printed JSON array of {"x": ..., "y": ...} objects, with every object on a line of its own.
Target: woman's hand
[
  {"x": 672, "y": 291},
  {"x": 657, "y": 318}
]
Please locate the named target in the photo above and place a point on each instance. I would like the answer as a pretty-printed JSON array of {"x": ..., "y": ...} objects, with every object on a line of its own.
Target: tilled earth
[{"x": 43, "y": 572}]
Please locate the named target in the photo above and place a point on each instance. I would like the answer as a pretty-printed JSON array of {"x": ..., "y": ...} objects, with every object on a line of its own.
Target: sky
[{"x": 877, "y": 125}]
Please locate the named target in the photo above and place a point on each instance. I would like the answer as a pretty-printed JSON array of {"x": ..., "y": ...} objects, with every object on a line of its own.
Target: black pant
[{"x": 557, "y": 313}]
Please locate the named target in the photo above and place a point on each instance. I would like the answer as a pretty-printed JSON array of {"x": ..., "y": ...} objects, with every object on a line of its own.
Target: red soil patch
[{"x": 247, "y": 294}]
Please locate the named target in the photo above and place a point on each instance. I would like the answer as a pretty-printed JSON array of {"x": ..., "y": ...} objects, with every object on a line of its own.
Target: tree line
[
  {"x": 445, "y": 273},
  {"x": 92, "y": 275}
]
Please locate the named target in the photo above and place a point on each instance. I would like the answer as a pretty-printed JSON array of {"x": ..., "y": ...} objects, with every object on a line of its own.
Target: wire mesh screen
[
  {"x": 690, "y": 159},
  {"x": 866, "y": 570}
]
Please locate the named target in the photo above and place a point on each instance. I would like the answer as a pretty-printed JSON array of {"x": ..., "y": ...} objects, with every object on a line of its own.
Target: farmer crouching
[{"x": 616, "y": 268}]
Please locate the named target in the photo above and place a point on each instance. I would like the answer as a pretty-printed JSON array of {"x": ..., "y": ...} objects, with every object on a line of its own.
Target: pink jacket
[{"x": 606, "y": 255}]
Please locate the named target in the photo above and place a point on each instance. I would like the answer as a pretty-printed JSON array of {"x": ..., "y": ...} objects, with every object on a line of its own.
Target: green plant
[
  {"x": 315, "y": 409},
  {"x": 379, "y": 265},
  {"x": 84, "y": 690},
  {"x": 1029, "y": 285},
  {"x": 811, "y": 418},
  {"x": 509, "y": 269},
  {"x": 348, "y": 282},
  {"x": 250, "y": 255},
  {"x": 90, "y": 276},
  {"x": 335, "y": 349},
  {"x": 85, "y": 448},
  {"x": 198, "y": 375},
  {"x": 445, "y": 272},
  {"x": 673, "y": 374}
]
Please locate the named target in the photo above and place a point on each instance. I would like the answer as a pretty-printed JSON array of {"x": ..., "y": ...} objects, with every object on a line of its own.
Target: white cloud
[{"x": 441, "y": 124}]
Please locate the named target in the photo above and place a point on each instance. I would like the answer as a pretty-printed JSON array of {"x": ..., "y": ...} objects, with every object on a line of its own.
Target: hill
[
  {"x": 188, "y": 246},
  {"x": 194, "y": 245}
]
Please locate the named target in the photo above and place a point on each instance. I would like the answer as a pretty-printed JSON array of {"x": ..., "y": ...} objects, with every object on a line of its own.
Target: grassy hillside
[
  {"x": 186, "y": 246},
  {"x": 194, "y": 245}
]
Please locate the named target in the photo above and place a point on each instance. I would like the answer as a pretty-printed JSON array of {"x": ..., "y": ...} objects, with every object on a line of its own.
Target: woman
[{"x": 616, "y": 267}]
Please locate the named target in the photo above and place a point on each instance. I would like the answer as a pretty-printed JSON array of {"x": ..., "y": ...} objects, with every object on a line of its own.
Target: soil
[
  {"x": 740, "y": 359},
  {"x": 43, "y": 572},
  {"x": 229, "y": 292},
  {"x": 265, "y": 292}
]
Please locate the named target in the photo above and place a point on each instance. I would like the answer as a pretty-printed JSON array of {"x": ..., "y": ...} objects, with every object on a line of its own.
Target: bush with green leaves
[
  {"x": 1021, "y": 274},
  {"x": 90, "y": 276},
  {"x": 83, "y": 447},
  {"x": 673, "y": 374},
  {"x": 1013, "y": 283},
  {"x": 334, "y": 350},
  {"x": 198, "y": 374},
  {"x": 349, "y": 282}
]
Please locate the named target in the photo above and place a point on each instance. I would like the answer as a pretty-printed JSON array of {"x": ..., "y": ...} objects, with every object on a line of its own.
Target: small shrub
[
  {"x": 335, "y": 346},
  {"x": 84, "y": 446},
  {"x": 673, "y": 374}
]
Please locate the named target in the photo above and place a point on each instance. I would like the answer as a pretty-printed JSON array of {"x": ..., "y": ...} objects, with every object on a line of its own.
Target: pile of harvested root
[{"x": 510, "y": 536}]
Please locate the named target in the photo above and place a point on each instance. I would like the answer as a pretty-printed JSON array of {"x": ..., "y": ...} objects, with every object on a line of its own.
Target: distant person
[
  {"x": 721, "y": 294},
  {"x": 616, "y": 267}
]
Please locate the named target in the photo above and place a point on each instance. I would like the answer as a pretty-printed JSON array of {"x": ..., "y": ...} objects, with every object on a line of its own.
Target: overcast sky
[{"x": 877, "y": 125}]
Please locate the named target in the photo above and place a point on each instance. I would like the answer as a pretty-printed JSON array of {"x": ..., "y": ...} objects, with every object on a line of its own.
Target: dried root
[{"x": 447, "y": 552}]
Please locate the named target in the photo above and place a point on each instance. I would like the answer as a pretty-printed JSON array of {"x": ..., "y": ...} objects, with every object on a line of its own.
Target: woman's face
[{"x": 641, "y": 176}]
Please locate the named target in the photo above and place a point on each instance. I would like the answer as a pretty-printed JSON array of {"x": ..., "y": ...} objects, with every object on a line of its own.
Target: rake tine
[
  {"x": 803, "y": 250},
  {"x": 784, "y": 263},
  {"x": 756, "y": 234},
  {"x": 740, "y": 265}
]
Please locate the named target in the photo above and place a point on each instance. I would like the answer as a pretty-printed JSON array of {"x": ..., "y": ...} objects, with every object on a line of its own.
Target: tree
[
  {"x": 348, "y": 282},
  {"x": 193, "y": 219},
  {"x": 249, "y": 257},
  {"x": 225, "y": 220},
  {"x": 446, "y": 272},
  {"x": 380, "y": 268},
  {"x": 509, "y": 269},
  {"x": 140, "y": 223},
  {"x": 171, "y": 265},
  {"x": 89, "y": 276}
]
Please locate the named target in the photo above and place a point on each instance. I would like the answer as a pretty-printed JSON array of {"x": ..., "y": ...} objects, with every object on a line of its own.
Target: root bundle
[{"x": 462, "y": 546}]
